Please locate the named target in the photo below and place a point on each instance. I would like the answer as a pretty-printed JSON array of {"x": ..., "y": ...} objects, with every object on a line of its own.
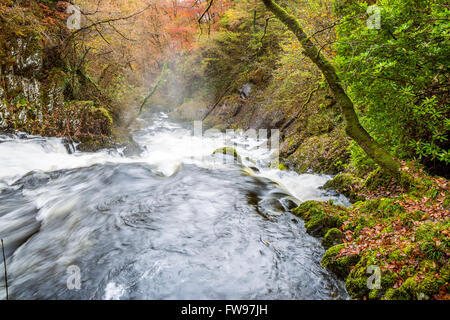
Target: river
[{"x": 172, "y": 223}]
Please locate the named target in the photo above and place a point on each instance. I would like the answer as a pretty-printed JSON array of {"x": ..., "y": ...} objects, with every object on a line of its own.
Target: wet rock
[
  {"x": 255, "y": 169},
  {"x": 245, "y": 91},
  {"x": 36, "y": 86},
  {"x": 94, "y": 143},
  {"x": 269, "y": 120},
  {"x": 132, "y": 148},
  {"x": 288, "y": 204},
  {"x": 271, "y": 205},
  {"x": 69, "y": 145},
  {"x": 230, "y": 152},
  {"x": 346, "y": 184}
]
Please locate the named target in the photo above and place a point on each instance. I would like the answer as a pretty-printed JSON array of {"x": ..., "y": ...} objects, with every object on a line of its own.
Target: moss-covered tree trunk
[{"x": 353, "y": 127}]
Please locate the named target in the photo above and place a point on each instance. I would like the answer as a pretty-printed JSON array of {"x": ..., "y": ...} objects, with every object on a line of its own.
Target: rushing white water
[
  {"x": 165, "y": 149},
  {"x": 19, "y": 156},
  {"x": 57, "y": 208}
]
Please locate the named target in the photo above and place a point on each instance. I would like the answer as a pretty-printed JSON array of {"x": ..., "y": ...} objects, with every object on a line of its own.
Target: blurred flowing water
[{"x": 172, "y": 223}]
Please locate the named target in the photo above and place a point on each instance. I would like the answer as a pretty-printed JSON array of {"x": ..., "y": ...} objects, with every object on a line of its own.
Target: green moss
[
  {"x": 375, "y": 294},
  {"x": 432, "y": 239},
  {"x": 320, "y": 224},
  {"x": 105, "y": 113},
  {"x": 429, "y": 285},
  {"x": 446, "y": 203},
  {"x": 340, "y": 266},
  {"x": 388, "y": 279},
  {"x": 360, "y": 222},
  {"x": 407, "y": 291},
  {"x": 373, "y": 211},
  {"x": 430, "y": 236},
  {"x": 388, "y": 207},
  {"x": 307, "y": 208},
  {"x": 356, "y": 282},
  {"x": 347, "y": 184},
  {"x": 397, "y": 255},
  {"x": 331, "y": 254},
  {"x": 229, "y": 151},
  {"x": 320, "y": 217},
  {"x": 333, "y": 237},
  {"x": 377, "y": 178}
]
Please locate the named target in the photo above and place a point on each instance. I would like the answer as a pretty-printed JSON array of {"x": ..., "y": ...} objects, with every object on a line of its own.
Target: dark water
[{"x": 133, "y": 231}]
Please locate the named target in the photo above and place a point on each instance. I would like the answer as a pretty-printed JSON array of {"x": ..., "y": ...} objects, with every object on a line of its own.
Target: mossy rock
[
  {"x": 320, "y": 217},
  {"x": 308, "y": 208},
  {"x": 361, "y": 276},
  {"x": 229, "y": 151},
  {"x": 347, "y": 184},
  {"x": 431, "y": 285},
  {"x": 320, "y": 225},
  {"x": 333, "y": 237},
  {"x": 411, "y": 289},
  {"x": 132, "y": 148},
  {"x": 356, "y": 281},
  {"x": 94, "y": 143},
  {"x": 105, "y": 113},
  {"x": 407, "y": 291},
  {"x": 325, "y": 153},
  {"x": 376, "y": 179},
  {"x": 414, "y": 287},
  {"x": 340, "y": 266}
]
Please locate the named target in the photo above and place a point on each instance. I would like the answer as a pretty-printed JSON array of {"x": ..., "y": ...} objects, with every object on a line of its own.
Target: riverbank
[{"x": 397, "y": 242}]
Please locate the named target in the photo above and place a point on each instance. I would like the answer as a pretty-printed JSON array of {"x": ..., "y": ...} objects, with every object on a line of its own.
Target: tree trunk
[{"x": 353, "y": 127}]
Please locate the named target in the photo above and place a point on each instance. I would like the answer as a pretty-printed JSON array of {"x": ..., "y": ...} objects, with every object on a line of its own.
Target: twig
[
  {"x": 6, "y": 273},
  {"x": 106, "y": 21},
  {"x": 201, "y": 18},
  {"x": 301, "y": 108},
  {"x": 207, "y": 9},
  {"x": 152, "y": 92},
  {"x": 265, "y": 28},
  {"x": 217, "y": 103},
  {"x": 158, "y": 83}
]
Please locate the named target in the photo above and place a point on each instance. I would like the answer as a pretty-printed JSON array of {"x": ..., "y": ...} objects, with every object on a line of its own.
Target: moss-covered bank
[{"x": 405, "y": 237}]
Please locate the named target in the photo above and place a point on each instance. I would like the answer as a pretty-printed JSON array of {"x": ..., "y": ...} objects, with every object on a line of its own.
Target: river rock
[
  {"x": 132, "y": 148},
  {"x": 230, "y": 152}
]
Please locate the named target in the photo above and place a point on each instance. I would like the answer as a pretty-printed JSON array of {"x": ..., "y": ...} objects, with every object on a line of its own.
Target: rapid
[{"x": 175, "y": 222}]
